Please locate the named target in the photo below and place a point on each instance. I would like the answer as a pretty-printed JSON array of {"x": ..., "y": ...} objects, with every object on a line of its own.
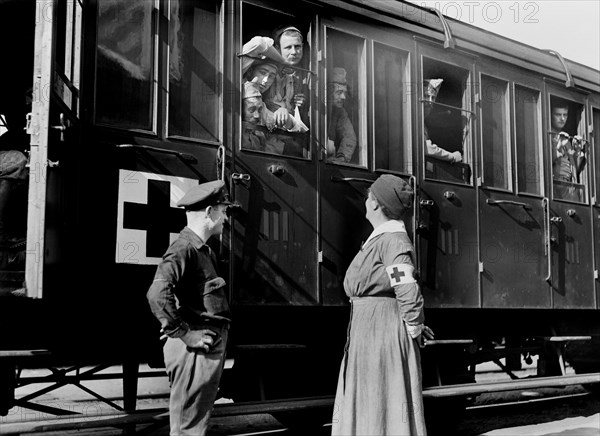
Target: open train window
[
  {"x": 528, "y": 140},
  {"x": 495, "y": 133},
  {"x": 346, "y": 98},
  {"x": 125, "y": 93},
  {"x": 276, "y": 81},
  {"x": 391, "y": 111},
  {"x": 194, "y": 66},
  {"x": 569, "y": 150},
  {"x": 447, "y": 119},
  {"x": 596, "y": 143}
]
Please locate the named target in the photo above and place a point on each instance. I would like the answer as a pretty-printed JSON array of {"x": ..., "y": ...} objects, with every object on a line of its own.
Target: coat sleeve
[
  {"x": 161, "y": 295},
  {"x": 400, "y": 270}
]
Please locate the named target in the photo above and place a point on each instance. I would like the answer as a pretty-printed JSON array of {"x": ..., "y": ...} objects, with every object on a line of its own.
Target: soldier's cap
[
  {"x": 431, "y": 87},
  {"x": 251, "y": 89},
  {"x": 393, "y": 193},
  {"x": 338, "y": 75},
  {"x": 280, "y": 31},
  {"x": 206, "y": 194}
]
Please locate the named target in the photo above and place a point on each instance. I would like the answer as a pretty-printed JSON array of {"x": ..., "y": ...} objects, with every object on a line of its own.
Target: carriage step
[
  {"x": 566, "y": 338},
  {"x": 514, "y": 385},
  {"x": 433, "y": 342}
]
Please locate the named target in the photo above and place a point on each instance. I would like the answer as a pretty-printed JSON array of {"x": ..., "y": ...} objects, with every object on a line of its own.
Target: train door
[
  {"x": 511, "y": 207},
  {"x": 447, "y": 226},
  {"x": 53, "y": 129},
  {"x": 570, "y": 221},
  {"x": 275, "y": 177},
  {"x": 366, "y": 129},
  {"x": 595, "y": 153}
]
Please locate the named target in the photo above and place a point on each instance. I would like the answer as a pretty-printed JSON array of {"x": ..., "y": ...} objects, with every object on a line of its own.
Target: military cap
[
  {"x": 393, "y": 193},
  {"x": 431, "y": 87},
  {"x": 338, "y": 75},
  {"x": 204, "y": 195},
  {"x": 251, "y": 89}
]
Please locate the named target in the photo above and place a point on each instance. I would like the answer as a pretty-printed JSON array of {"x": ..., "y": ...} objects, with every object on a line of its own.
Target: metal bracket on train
[
  {"x": 448, "y": 38},
  {"x": 570, "y": 82},
  {"x": 238, "y": 177},
  {"x": 183, "y": 156}
]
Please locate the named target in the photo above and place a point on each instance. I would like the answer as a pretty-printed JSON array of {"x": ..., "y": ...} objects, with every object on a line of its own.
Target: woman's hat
[{"x": 393, "y": 193}]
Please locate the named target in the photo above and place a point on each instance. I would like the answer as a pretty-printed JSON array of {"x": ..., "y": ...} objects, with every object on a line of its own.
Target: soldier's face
[
  {"x": 218, "y": 216},
  {"x": 559, "y": 117},
  {"x": 264, "y": 76},
  {"x": 291, "y": 49},
  {"x": 337, "y": 94},
  {"x": 253, "y": 108}
]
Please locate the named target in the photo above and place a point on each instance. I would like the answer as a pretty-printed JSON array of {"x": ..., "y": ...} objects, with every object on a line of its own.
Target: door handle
[{"x": 64, "y": 123}]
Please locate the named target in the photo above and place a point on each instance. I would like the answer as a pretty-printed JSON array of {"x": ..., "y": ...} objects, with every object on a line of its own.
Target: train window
[
  {"x": 528, "y": 140},
  {"x": 596, "y": 142},
  {"x": 346, "y": 98},
  {"x": 447, "y": 120},
  {"x": 275, "y": 82},
  {"x": 569, "y": 150},
  {"x": 390, "y": 112},
  {"x": 495, "y": 135},
  {"x": 124, "y": 85},
  {"x": 194, "y": 58}
]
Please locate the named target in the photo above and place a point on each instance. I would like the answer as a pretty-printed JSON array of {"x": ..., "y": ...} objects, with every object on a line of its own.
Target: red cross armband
[{"x": 400, "y": 274}]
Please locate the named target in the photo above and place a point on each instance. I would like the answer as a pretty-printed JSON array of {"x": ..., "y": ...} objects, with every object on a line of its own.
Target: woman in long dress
[{"x": 379, "y": 386}]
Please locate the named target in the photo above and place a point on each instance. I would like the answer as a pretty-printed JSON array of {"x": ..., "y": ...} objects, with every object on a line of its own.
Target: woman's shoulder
[{"x": 396, "y": 241}]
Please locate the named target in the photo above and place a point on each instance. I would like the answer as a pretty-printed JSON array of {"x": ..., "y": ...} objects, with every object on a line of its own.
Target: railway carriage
[{"x": 134, "y": 102}]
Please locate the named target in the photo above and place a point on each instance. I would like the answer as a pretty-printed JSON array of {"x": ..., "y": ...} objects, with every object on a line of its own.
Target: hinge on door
[
  {"x": 320, "y": 256},
  {"x": 479, "y": 181},
  {"x": 476, "y": 98},
  {"x": 481, "y": 269},
  {"x": 319, "y": 55},
  {"x": 596, "y": 274}
]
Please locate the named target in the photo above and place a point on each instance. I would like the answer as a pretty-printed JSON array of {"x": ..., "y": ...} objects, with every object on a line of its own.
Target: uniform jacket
[
  {"x": 187, "y": 289},
  {"x": 341, "y": 132}
]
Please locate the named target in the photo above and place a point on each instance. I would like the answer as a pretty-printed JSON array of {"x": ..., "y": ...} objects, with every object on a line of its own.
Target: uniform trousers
[{"x": 194, "y": 377}]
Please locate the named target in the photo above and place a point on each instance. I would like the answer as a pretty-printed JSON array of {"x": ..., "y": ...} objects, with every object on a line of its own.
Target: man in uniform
[
  {"x": 256, "y": 116},
  {"x": 341, "y": 139},
  {"x": 568, "y": 155},
  {"x": 188, "y": 297}
]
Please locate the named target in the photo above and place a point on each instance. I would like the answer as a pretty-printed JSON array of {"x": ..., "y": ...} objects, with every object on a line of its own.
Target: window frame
[
  {"x": 553, "y": 89},
  {"x": 508, "y": 136},
  {"x": 458, "y": 59}
]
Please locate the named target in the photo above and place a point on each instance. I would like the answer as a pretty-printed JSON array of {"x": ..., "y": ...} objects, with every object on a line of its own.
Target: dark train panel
[{"x": 134, "y": 102}]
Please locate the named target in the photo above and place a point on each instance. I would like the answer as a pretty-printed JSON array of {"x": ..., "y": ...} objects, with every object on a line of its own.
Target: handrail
[
  {"x": 570, "y": 82},
  {"x": 514, "y": 203},
  {"x": 448, "y": 38},
  {"x": 547, "y": 240},
  {"x": 337, "y": 179},
  {"x": 422, "y": 100},
  {"x": 183, "y": 156},
  {"x": 412, "y": 180},
  {"x": 282, "y": 66}
]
